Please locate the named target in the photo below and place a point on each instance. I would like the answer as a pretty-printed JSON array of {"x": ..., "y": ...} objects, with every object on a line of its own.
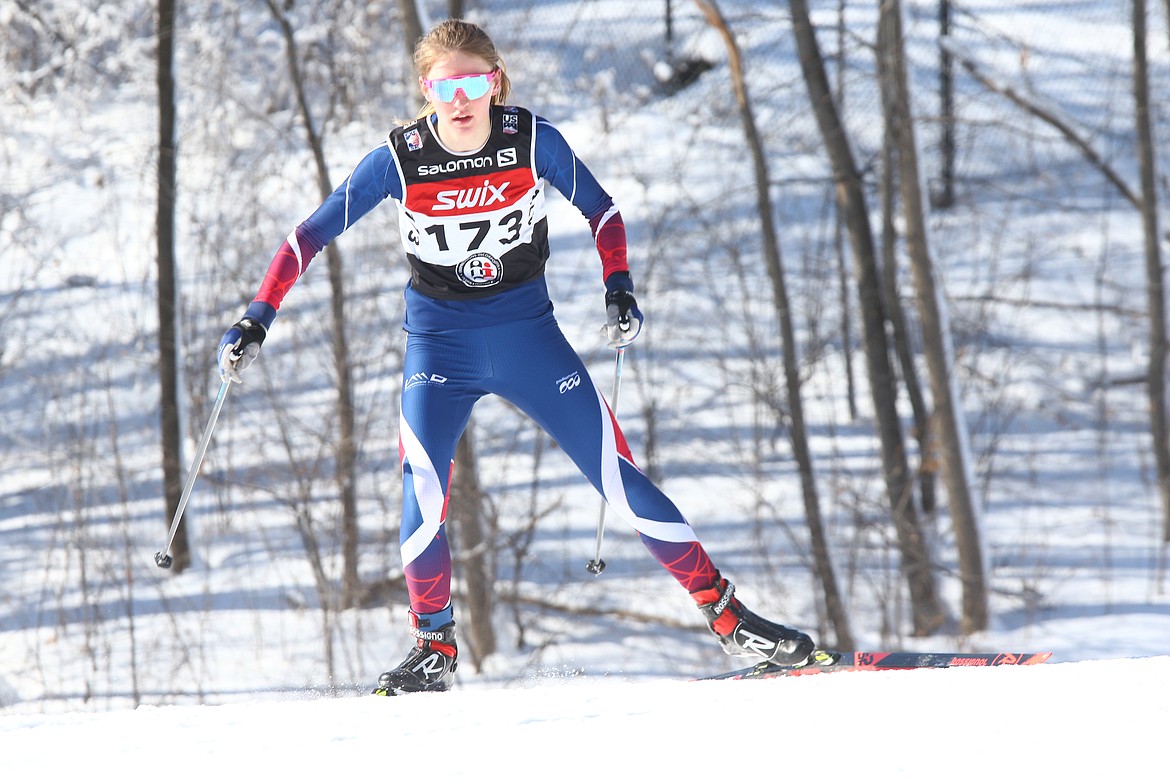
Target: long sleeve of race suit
[
  {"x": 556, "y": 162},
  {"x": 376, "y": 178},
  {"x": 373, "y": 180}
]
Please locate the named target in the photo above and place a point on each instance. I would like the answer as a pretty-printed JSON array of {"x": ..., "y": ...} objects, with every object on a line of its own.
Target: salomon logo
[
  {"x": 503, "y": 157},
  {"x": 451, "y": 166}
]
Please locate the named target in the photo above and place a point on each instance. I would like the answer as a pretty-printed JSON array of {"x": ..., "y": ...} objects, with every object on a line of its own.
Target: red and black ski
[{"x": 825, "y": 661}]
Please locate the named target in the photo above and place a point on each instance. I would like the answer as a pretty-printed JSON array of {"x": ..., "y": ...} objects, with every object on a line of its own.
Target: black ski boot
[
  {"x": 744, "y": 633},
  {"x": 429, "y": 667}
]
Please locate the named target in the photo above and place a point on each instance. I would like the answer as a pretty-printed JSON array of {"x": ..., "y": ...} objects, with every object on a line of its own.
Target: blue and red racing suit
[{"x": 479, "y": 320}]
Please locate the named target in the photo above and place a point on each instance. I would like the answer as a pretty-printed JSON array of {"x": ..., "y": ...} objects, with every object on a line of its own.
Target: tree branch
[{"x": 1046, "y": 116}]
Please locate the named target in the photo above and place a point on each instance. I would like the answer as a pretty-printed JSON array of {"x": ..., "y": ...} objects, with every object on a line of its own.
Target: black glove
[
  {"x": 239, "y": 347},
  {"x": 623, "y": 320}
]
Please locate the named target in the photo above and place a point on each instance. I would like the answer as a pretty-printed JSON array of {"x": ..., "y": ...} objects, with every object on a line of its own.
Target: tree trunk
[
  {"x": 346, "y": 453},
  {"x": 468, "y": 513},
  {"x": 839, "y": 234},
  {"x": 1155, "y": 282},
  {"x": 889, "y": 253},
  {"x": 927, "y": 612},
  {"x": 946, "y": 90},
  {"x": 822, "y": 561},
  {"x": 935, "y": 331},
  {"x": 168, "y": 364},
  {"x": 468, "y": 509},
  {"x": 411, "y": 26}
]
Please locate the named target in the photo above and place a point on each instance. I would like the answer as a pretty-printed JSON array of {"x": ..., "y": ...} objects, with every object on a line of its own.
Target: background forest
[{"x": 980, "y": 240}]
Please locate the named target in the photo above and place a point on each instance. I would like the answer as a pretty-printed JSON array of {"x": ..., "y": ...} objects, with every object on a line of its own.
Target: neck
[
  {"x": 460, "y": 143},
  {"x": 461, "y": 140}
]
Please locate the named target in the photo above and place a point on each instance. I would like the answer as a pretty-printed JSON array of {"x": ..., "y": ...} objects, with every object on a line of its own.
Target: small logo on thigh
[
  {"x": 567, "y": 383},
  {"x": 423, "y": 378}
]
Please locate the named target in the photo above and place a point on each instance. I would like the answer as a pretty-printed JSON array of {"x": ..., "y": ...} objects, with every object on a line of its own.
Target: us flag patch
[{"x": 413, "y": 140}]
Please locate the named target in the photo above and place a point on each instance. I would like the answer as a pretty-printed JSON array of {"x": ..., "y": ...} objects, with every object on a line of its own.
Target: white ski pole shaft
[
  {"x": 163, "y": 558},
  {"x": 597, "y": 565}
]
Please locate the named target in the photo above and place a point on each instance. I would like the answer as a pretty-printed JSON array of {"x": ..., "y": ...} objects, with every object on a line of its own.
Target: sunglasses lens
[{"x": 473, "y": 86}]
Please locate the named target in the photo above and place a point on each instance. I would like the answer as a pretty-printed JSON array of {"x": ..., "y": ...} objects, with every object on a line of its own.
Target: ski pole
[
  {"x": 163, "y": 558},
  {"x": 597, "y": 565}
]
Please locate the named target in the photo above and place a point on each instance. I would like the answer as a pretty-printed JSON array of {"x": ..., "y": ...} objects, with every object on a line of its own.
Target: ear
[{"x": 422, "y": 87}]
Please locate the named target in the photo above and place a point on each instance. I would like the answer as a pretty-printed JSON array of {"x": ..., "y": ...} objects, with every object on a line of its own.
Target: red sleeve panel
[
  {"x": 609, "y": 233},
  {"x": 290, "y": 262},
  {"x": 373, "y": 180}
]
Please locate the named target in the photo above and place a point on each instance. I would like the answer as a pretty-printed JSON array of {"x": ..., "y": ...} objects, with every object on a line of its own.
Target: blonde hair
[{"x": 456, "y": 35}]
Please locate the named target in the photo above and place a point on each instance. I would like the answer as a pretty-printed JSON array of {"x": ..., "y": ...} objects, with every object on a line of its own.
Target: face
[{"x": 464, "y": 124}]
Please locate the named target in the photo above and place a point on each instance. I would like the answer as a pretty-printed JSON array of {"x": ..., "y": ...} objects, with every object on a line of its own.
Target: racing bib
[{"x": 472, "y": 224}]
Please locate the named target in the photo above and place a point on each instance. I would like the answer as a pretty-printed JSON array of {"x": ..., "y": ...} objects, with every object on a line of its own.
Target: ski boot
[
  {"x": 429, "y": 667},
  {"x": 742, "y": 632}
]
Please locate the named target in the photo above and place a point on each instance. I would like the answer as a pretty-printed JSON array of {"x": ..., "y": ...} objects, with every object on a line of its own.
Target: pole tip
[{"x": 162, "y": 560}]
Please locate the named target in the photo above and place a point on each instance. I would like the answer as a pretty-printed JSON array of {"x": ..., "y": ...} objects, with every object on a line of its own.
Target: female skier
[{"x": 469, "y": 176}]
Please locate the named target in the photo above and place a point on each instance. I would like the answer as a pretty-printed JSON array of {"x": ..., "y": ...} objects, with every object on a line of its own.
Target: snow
[
  {"x": 241, "y": 665},
  {"x": 1073, "y": 720}
]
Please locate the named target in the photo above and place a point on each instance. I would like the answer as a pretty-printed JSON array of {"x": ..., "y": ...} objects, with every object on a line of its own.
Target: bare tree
[
  {"x": 346, "y": 471},
  {"x": 1146, "y": 203},
  {"x": 888, "y": 196},
  {"x": 933, "y": 314},
  {"x": 923, "y": 430},
  {"x": 927, "y": 611},
  {"x": 469, "y": 513},
  {"x": 1167, "y": 16},
  {"x": 168, "y": 338},
  {"x": 822, "y": 561},
  {"x": 468, "y": 507},
  {"x": 946, "y": 92},
  {"x": 411, "y": 25},
  {"x": 847, "y": 351},
  {"x": 1049, "y": 117},
  {"x": 1155, "y": 276}
]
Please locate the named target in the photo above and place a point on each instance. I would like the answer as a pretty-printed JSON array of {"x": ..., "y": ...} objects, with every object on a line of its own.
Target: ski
[{"x": 823, "y": 661}]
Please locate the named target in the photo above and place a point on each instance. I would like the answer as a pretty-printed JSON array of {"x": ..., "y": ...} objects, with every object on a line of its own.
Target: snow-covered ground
[{"x": 1089, "y": 719}]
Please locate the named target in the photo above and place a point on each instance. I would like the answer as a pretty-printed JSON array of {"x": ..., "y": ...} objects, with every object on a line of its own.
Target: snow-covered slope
[{"x": 1066, "y": 720}]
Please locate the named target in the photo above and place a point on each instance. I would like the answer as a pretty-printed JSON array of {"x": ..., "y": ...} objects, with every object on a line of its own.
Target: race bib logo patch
[
  {"x": 480, "y": 270},
  {"x": 511, "y": 124},
  {"x": 413, "y": 140}
]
